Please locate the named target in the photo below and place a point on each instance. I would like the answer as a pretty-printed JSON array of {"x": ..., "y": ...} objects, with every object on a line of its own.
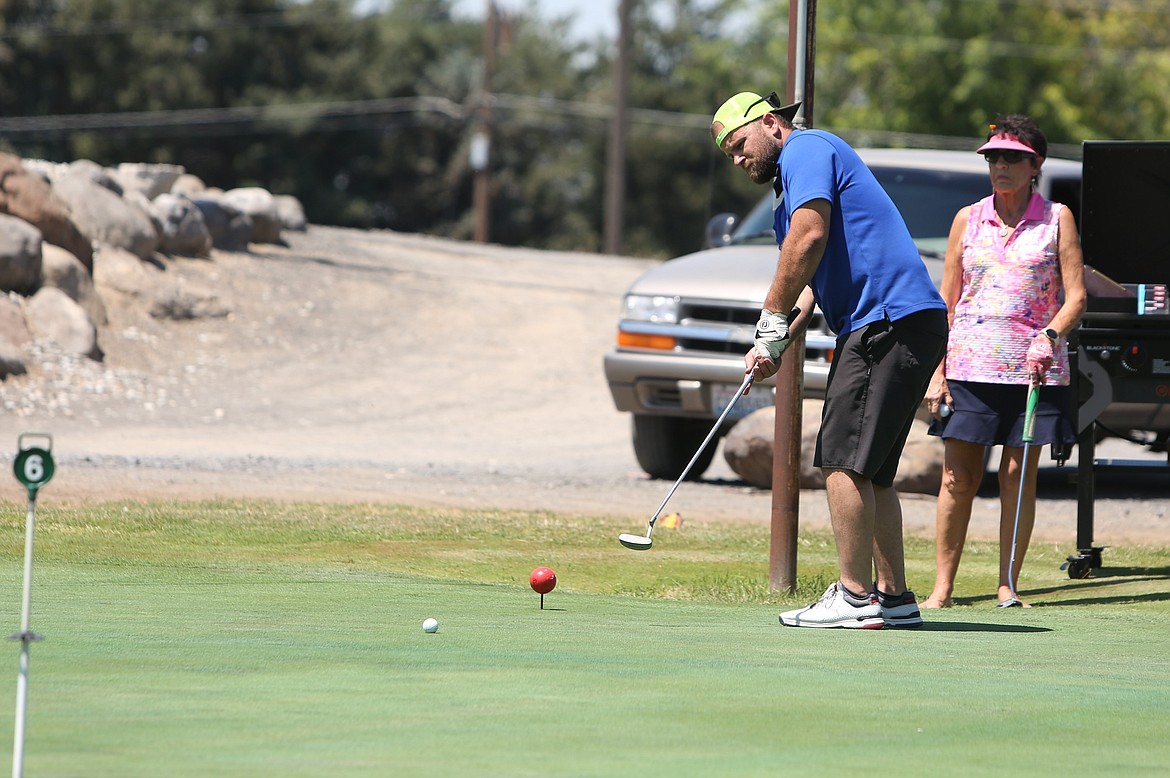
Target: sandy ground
[{"x": 380, "y": 367}]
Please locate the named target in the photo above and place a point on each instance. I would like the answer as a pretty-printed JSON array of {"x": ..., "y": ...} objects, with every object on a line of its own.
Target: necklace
[{"x": 1004, "y": 228}]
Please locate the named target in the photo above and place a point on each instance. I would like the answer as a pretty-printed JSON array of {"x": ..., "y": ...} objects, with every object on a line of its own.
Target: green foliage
[
  {"x": 366, "y": 111},
  {"x": 677, "y": 179},
  {"x": 1084, "y": 69}
]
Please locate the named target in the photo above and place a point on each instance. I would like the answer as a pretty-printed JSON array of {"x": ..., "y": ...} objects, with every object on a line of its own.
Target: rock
[
  {"x": 230, "y": 228},
  {"x": 53, "y": 315},
  {"x": 188, "y": 185},
  {"x": 20, "y": 255},
  {"x": 181, "y": 225},
  {"x": 14, "y": 336},
  {"x": 150, "y": 180},
  {"x": 260, "y": 206},
  {"x": 121, "y": 271},
  {"x": 747, "y": 449},
  {"x": 163, "y": 297},
  {"x": 291, "y": 213},
  {"x": 53, "y": 171},
  {"x": 63, "y": 271},
  {"x": 44, "y": 169},
  {"x": 12, "y": 325},
  {"x": 11, "y": 359},
  {"x": 106, "y": 218},
  {"x": 28, "y": 196},
  {"x": 94, "y": 172}
]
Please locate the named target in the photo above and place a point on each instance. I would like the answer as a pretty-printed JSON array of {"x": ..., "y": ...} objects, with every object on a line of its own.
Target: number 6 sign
[{"x": 33, "y": 466}]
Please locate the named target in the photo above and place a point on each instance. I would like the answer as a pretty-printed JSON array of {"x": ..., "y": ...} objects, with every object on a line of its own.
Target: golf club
[
  {"x": 1029, "y": 424},
  {"x": 641, "y": 543}
]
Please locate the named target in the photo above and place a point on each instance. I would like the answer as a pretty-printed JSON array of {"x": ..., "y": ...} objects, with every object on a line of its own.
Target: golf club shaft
[
  {"x": 1029, "y": 425},
  {"x": 718, "y": 423}
]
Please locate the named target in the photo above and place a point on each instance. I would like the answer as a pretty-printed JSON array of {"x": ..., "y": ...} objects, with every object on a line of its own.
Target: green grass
[{"x": 245, "y": 639}]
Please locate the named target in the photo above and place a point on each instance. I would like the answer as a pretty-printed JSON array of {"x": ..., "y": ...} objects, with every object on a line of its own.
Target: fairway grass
[{"x": 254, "y": 639}]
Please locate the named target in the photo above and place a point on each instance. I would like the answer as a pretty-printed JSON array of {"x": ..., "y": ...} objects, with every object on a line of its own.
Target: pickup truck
[{"x": 685, "y": 325}]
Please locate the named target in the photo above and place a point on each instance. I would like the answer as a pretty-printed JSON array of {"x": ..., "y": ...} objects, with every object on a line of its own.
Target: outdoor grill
[
  {"x": 1122, "y": 364},
  {"x": 1121, "y": 351}
]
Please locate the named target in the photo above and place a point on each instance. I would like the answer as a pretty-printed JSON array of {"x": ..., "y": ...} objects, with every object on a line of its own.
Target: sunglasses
[
  {"x": 1010, "y": 157},
  {"x": 772, "y": 99}
]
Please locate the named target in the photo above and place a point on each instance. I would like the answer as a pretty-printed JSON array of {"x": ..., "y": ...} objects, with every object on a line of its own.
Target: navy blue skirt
[{"x": 993, "y": 415}]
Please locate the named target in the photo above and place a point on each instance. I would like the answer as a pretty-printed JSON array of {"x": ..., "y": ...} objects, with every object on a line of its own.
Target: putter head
[{"x": 635, "y": 542}]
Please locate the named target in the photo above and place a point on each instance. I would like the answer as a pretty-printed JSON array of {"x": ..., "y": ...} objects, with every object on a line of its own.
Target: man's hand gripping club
[{"x": 772, "y": 339}]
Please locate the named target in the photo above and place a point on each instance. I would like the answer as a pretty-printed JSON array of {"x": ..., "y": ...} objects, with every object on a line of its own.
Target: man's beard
[{"x": 763, "y": 169}]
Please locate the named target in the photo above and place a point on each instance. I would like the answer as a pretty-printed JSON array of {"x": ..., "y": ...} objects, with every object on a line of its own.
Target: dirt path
[{"x": 380, "y": 367}]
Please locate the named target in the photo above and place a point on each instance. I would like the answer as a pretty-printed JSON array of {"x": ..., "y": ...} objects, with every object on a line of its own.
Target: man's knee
[{"x": 842, "y": 476}]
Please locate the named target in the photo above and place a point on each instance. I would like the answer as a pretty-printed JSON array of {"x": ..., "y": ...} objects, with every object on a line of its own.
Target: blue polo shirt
[{"x": 871, "y": 268}]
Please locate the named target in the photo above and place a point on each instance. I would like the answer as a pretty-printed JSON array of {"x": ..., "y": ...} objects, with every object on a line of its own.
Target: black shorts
[
  {"x": 877, "y": 381},
  {"x": 993, "y": 415}
]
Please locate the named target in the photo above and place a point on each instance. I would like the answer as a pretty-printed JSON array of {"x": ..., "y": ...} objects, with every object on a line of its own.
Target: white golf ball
[{"x": 431, "y": 625}]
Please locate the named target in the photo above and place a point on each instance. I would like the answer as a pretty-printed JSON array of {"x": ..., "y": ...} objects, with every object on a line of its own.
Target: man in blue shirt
[{"x": 844, "y": 246}]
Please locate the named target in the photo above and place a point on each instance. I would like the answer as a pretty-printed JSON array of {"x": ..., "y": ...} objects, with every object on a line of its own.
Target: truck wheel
[{"x": 665, "y": 444}]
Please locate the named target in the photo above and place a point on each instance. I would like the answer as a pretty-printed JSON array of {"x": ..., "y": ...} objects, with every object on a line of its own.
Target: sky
[{"x": 592, "y": 18}]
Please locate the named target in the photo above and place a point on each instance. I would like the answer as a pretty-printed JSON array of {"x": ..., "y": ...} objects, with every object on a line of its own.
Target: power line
[
  {"x": 1151, "y": 6},
  {"x": 110, "y": 27},
  {"x": 204, "y": 118},
  {"x": 413, "y": 111},
  {"x": 1005, "y": 49}
]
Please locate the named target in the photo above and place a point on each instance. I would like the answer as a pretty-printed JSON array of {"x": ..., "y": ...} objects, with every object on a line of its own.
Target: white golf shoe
[{"x": 836, "y": 608}]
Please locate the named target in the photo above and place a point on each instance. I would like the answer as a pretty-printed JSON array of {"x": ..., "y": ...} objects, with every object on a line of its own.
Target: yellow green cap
[{"x": 746, "y": 107}]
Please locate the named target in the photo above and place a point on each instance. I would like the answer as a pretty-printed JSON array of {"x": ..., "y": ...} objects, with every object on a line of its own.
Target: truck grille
[
  {"x": 723, "y": 314},
  {"x": 726, "y": 329}
]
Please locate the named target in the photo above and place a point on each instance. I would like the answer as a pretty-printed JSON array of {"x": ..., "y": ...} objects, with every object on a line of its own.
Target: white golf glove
[{"x": 772, "y": 335}]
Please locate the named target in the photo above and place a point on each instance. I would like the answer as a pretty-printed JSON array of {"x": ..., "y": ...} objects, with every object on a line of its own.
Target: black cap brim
[{"x": 789, "y": 111}]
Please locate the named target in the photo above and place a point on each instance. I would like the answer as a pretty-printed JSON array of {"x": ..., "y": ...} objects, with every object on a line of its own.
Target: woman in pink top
[{"x": 1013, "y": 282}]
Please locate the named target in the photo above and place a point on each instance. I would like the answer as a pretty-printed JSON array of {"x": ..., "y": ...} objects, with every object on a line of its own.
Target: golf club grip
[
  {"x": 718, "y": 423},
  {"x": 1030, "y": 412}
]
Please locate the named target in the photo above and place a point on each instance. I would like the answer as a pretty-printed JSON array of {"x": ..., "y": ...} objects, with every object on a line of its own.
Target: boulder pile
[{"x": 64, "y": 224}]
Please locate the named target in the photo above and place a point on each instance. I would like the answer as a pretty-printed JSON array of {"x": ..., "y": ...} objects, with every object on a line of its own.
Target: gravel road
[{"x": 382, "y": 367}]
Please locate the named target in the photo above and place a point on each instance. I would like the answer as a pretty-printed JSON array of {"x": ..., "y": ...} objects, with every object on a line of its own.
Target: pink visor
[{"x": 1007, "y": 143}]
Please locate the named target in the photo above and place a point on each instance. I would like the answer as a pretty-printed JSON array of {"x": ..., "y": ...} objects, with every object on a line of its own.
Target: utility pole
[
  {"x": 790, "y": 379},
  {"x": 481, "y": 142},
  {"x": 615, "y": 189}
]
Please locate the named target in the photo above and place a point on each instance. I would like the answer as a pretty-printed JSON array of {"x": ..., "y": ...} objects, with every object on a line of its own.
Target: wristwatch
[{"x": 1051, "y": 334}]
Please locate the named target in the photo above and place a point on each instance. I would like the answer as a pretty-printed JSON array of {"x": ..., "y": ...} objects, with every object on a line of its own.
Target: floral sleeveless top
[{"x": 1011, "y": 289}]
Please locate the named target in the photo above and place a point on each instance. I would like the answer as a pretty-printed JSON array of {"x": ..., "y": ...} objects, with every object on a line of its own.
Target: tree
[
  {"x": 366, "y": 114},
  {"x": 682, "y": 69},
  {"x": 1082, "y": 68}
]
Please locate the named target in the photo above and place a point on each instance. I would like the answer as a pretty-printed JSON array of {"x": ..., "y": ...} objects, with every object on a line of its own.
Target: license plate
[{"x": 758, "y": 397}]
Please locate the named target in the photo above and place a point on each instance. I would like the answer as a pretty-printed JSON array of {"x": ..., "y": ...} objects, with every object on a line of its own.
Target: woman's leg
[{"x": 962, "y": 474}]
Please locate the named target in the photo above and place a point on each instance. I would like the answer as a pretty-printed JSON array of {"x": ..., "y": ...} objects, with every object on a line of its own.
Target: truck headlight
[{"x": 653, "y": 308}]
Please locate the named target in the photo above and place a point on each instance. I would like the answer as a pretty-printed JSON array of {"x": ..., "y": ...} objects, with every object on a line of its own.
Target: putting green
[{"x": 190, "y": 670}]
